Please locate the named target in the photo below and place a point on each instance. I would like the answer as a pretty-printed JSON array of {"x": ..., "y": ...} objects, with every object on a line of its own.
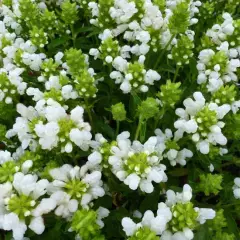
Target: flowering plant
[{"x": 119, "y": 119}]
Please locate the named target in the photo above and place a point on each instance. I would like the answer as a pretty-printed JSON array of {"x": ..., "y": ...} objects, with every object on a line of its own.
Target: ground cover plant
[{"x": 119, "y": 119}]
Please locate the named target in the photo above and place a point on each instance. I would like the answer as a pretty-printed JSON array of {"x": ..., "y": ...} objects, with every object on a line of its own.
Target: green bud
[
  {"x": 161, "y": 4},
  {"x": 137, "y": 71},
  {"x": 210, "y": 183},
  {"x": 69, "y": 12},
  {"x": 9, "y": 90},
  {"x": 38, "y": 37},
  {"x": 85, "y": 85},
  {"x": 54, "y": 94},
  {"x": 224, "y": 236},
  {"x": 218, "y": 222},
  {"x": 109, "y": 47},
  {"x": 137, "y": 163},
  {"x": 144, "y": 233},
  {"x": 4, "y": 43},
  {"x": 7, "y": 3},
  {"x": 148, "y": 108},
  {"x": 234, "y": 39},
  {"x": 170, "y": 94},
  {"x": 219, "y": 58},
  {"x": 20, "y": 205},
  {"x": 7, "y": 171},
  {"x": 179, "y": 21},
  {"x": 225, "y": 94},
  {"x": 205, "y": 119},
  {"x": 45, "y": 174},
  {"x": 48, "y": 21},
  {"x": 76, "y": 188},
  {"x": 182, "y": 51},
  {"x": 184, "y": 216},
  {"x": 119, "y": 112},
  {"x": 76, "y": 61},
  {"x": 30, "y": 13},
  {"x": 84, "y": 222},
  {"x": 49, "y": 67},
  {"x": 104, "y": 19},
  {"x": 105, "y": 150}
]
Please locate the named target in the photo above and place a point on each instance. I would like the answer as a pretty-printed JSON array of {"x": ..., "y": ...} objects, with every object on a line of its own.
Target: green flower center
[
  {"x": 144, "y": 234},
  {"x": 184, "y": 216},
  {"x": 137, "y": 163},
  {"x": 76, "y": 188},
  {"x": 21, "y": 205},
  {"x": 106, "y": 152},
  {"x": 7, "y": 171},
  {"x": 65, "y": 126},
  {"x": 205, "y": 119}
]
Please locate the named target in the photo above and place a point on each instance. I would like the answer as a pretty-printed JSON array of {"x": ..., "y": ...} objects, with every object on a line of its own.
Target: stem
[
  {"x": 138, "y": 128},
  {"x": 163, "y": 51},
  {"x": 89, "y": 113},
  {"x": 176, "y": 73},
  {"x": 118, "y": 126},
  {"x": 73, "y": 36}
]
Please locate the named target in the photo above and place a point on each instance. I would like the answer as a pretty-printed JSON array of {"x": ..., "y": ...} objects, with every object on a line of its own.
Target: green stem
[
  {"x": 163, "y": 51},
  {"x": 89, "y": 113},
  {"x": 73, "y": 36},
  {"x": 118, "y": 126},
  {"x": 176, "y": 73},
  {"x": 138, "y": 128}
]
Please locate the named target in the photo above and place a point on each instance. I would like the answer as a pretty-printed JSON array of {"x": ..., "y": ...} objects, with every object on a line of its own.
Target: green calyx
[
  {"x": 109, "y": 47},
  {"x": 21, "y": 205},
  {"x": 69, "y": 12},
  {"x": 76, "y": 188},
  {"x": 225, "y": 95},
  {"x": 218, "y": 222},
  {"x": 161, "y": 4},
  {"x": 182, "y": 51},
  {"x": 148, "y": 108},
  {"x": 65, "y": 126},
  {"x": 220, "y": 58},
  {"x": 104, "y": 19},
  {"x": 184, "y": 216},
  {"x": 170, "y": 94},
  {"x": 38, "y": 37},
  {"x": 85, "y": 85},
  {"x": 210, "y": 183},
  {"x": 4, "y": 43},
  {"x": 48, "y": 20},
  {"x": 105, "y": 150},
  {"x": 30, "y": 13},
  {"x": 54, "y": 94},
  {"x": 144, "y": 233},
  {"x": 224, "y": 236},
  {"x": 137, "y": 71},
  {"x": 76, "y": 61},
  {"x": 7, "y": 2},
  {"x": 171, "y": 144},
  {"x": 7, "y": 171},
  {"x": 137, "y": 163},
  {"x": 49, "y": 68},
  {"x": 234, "y": 39},
  {"x": 7, "y": 87},
  {"x": 180, "y": 20},
  {"x": 205, "y": 119},
  {"x": 84, "y": 223},
  {"x": 119, "y": 112},
  {"x": 45, "y": 174},
  {"x": 35, "y": 121}
]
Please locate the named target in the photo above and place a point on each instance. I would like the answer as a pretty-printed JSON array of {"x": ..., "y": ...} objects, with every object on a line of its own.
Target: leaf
[
  {"x": 57, "y": 42},
  {"x": 178, "y": 172}
]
